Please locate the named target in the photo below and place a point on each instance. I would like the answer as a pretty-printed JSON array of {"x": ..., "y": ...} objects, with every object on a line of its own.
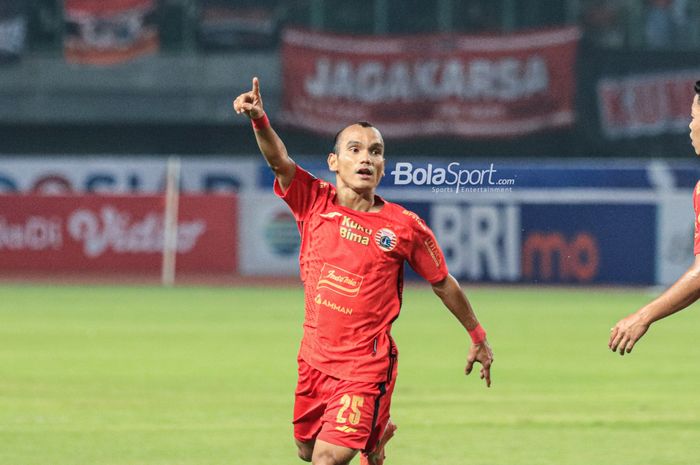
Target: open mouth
[{"x": 364, "y": 173}]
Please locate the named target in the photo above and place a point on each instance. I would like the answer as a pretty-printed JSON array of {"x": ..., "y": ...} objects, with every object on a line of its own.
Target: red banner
[
  {"x": 105, "y": 32},
  {"x": 469, "y": 86},
  {"x": 115, "y": 233},
  {"x": 646, "y": 104}
]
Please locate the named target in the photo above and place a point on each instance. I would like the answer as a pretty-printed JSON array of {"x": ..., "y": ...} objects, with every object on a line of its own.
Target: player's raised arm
[
  {"x": 454, "y": 299},
  {"x": 630, "y": 329},
  {"x": 271, "y": 146}
]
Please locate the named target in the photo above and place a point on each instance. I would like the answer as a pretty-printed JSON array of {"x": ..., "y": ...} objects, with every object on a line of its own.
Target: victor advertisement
[{"x": 92, "y": 233}]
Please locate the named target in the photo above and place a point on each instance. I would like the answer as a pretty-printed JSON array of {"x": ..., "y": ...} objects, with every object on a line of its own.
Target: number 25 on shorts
[{"x": 353, "y": 403}]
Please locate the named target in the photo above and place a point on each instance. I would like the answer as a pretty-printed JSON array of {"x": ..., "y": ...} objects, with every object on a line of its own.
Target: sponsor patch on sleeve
[{"x": 433, "y": 251}]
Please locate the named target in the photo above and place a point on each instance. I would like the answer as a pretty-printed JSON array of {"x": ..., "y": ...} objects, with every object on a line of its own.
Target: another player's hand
[
  {"x": 627, "y": 332},
  {"x": 483, "y": 354},
  {"x": 250, "y": 103}
]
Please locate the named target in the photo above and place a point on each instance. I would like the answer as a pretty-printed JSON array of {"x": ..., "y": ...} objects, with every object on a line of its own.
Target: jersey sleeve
[
  {"x": 425, "y": 255},
  {"x": 696, "y": 208},
  {"x": 301, "y": 193}
]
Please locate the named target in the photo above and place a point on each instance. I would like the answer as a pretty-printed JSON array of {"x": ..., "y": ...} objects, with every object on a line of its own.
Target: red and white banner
[
  {"x": 646, "y": 104},
  {"x": 106, "y": 32},
  {"x": 469, "y": 86},
  {"x": 115, "y": 233}
]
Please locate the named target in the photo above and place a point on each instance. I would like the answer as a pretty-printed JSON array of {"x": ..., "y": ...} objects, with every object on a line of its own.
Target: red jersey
[
  {"x": 696, "y": 207},
  {"x": 351, "y": 264}
]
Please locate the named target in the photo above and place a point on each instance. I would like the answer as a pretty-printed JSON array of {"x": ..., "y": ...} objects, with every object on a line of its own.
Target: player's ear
[{"x": 333, "y": 162}]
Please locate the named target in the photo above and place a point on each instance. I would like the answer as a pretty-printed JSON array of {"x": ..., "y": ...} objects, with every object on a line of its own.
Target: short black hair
[
  {"x": 697, "y": 87},
  {"x": 364, "y": 124}
]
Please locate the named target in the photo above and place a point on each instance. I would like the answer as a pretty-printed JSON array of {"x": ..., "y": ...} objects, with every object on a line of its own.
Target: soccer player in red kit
[
  {"x": 686, "y": 290},
  {"x": 353, "y": 247}
]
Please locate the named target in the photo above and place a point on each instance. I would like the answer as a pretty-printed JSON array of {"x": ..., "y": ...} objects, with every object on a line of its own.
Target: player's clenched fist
[{"x": 250, "y": 103}]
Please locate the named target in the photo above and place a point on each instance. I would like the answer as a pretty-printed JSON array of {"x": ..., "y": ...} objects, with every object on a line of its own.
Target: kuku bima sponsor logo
[{"x": 349, "y": 230}]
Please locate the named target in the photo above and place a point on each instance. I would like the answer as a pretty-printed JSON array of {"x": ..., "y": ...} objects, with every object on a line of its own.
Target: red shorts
[{"x": 345, "y": 413}]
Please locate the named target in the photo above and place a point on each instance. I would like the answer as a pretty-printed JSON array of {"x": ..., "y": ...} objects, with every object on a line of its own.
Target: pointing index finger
[{"x": 256, "y": 86}]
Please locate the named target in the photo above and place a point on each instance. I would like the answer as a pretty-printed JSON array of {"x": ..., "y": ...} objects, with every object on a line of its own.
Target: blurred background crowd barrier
[
  {"x": 582, "y": 106},
  {"x": 603, "y": 78}
]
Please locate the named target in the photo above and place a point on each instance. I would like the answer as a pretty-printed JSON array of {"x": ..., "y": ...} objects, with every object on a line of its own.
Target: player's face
[
  {"x": 695, "y": 125},
  {"x": 359, "y": 163}
]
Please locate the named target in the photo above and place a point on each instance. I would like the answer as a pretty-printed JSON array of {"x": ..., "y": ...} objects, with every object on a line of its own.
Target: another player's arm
[
  {"x": 454, "y": 299},
  {"x": 270, "y": 144},
  {"x": 684, "y": 292}
]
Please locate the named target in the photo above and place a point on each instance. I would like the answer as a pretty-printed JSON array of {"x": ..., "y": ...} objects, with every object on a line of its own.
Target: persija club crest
[{"x": 385, "y": 239}]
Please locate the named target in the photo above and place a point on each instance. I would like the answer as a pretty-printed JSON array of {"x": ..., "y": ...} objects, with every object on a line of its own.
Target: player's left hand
[
  {"x": 483, "y": 354},
  {"x": 627, "y": 332}
]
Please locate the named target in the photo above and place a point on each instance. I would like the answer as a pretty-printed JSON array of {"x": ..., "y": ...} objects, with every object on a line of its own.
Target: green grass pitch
[{"x": 185, "y": 376}]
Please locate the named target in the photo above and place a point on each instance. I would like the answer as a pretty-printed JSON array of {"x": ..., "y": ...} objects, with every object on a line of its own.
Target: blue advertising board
[
  {"x": 588, "y": 243},
  {"x": 541, "y": 174},
  {"x": 560, "y": 221},
  {"x": 545, "y": 243}
]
